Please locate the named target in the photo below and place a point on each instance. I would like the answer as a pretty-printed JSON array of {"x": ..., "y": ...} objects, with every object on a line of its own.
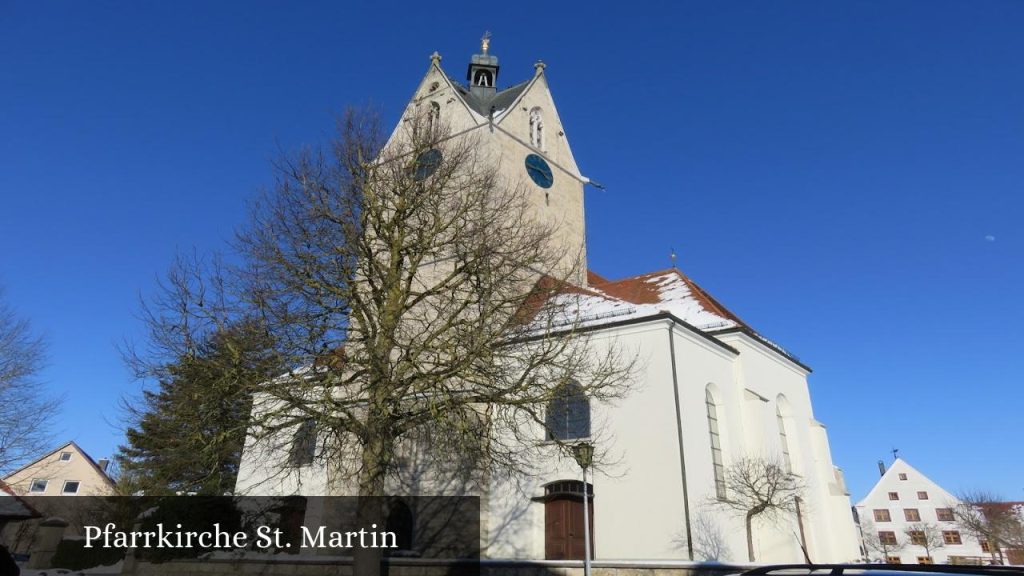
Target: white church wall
[{"x": 828, "y": 526}]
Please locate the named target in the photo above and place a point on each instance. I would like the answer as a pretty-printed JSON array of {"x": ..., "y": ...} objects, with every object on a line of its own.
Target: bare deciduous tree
[
  {"x": 925, "y": 535},
  {"x": 879, "y": 545},
  {"x": 759, "y": 488},
  {"x": 416, "y": 294},
  {"x": 988, "y": 518},
  {"x": 25, "y": 409}
]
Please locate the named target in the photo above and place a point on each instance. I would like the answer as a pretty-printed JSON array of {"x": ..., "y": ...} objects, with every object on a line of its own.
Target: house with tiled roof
[
  {"x": 65, "y": 471},
  {"x": 905, "y": 504},
  {"x": 711, "y": 389}
]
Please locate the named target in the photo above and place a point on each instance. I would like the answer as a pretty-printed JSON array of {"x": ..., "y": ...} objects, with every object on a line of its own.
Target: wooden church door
[{"x": 563, "y": 523}]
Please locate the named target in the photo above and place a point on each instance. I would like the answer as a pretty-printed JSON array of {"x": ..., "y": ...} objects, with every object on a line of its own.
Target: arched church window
[
  {"x": 787, "y": 461},
  {"x": 303, "y": 447},
  {"x": 537, "y": 129},
  {"x": 716, "y": 444},
  {"x": 568, "y": 413}
]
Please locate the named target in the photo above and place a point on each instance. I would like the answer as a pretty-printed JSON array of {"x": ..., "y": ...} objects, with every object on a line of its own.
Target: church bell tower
[
  {"x": 518, "y": 127},
  {"x": 483, "y": 71}
]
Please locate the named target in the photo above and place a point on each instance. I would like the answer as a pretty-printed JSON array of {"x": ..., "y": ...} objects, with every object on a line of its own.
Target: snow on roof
[
  {"x": 666, "y": 291},
  {"x": 645, "y": 295},
  {"x": 12, "y": 506}
]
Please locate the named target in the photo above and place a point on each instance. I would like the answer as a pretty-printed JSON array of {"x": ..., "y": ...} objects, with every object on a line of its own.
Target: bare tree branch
[
  {"x": 26, "y": 412},
  {"x": 759, "y": 488}
]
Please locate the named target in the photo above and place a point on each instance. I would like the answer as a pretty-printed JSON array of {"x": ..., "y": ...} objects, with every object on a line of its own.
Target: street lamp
[{"x": 584, "y": 454}]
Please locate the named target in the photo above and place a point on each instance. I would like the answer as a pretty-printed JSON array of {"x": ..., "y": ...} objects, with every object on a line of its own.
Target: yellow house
[{"x": 66, "y": 471}]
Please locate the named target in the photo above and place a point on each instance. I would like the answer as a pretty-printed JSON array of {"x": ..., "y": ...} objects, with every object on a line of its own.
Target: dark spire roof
[{"x": 482, "y": 104}]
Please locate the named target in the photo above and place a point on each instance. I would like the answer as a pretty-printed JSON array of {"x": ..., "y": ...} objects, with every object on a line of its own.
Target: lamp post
[{"x": 584, "y": 454}]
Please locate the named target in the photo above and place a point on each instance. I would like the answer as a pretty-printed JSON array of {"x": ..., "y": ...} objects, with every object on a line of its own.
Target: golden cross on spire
[{"x": 485, "y": 42}]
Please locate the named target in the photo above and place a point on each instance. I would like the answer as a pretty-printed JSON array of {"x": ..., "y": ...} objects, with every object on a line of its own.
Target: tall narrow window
[
  {"x": 433, "y": 117},
  {"x": 303, "y": 444},
  {"x": 783, "y": 440},
  {"x": 716, "y": 445},
  {"x": 568, "y": 414},
  {"x": 536, "y": 129}
]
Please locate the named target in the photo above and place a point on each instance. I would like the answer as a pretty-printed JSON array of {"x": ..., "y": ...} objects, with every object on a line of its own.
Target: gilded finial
[{"x": 485, "y": 42}]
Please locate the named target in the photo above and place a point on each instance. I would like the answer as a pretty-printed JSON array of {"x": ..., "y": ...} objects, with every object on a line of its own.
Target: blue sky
[{"x": 847, "y": 177}]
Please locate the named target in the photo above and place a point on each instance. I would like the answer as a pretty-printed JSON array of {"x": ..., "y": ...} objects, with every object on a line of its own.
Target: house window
[
  {"x": 951, "y": 537},
  {"x": 65, "y": 456},
  {"x": 894, "y": 496},
  {"x": 716, "y": 445},
  {"x": 985, "y": 547},
  {"x": 303, "y": 444},
  {"x": 922, "y": 495},
  {"x": 783, "y": 441},
  {"x": 892, "y": 559},
  {"x": 887, "y": 537},
  {"x": 903, "y": 476},
  {"x": 944, "y": 514},
  {"x": 38, "y": 486},
  {"x": 925, "y": 560},
  {"x": 568, "y": 414},
  {"x": 70, "y": 487},
  {"x": 882, "y": 516},
  {"x": 912, "y": 515},
  {"x": 537, "y": 129},
  {"x": 917, "y": 537}
]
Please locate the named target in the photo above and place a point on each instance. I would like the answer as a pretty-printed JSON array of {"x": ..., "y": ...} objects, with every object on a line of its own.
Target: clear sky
[{"x": 847, "y": 177}]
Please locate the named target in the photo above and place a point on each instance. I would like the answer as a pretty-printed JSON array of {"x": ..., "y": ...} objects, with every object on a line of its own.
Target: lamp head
[{"x": 584, "y": 454}]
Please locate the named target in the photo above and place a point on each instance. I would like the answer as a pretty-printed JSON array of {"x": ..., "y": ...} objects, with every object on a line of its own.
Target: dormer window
[{"x": 537, "y": 129}]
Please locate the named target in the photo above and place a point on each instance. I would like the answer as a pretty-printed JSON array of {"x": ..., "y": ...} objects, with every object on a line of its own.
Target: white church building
[{"x": 711, "y": 389}]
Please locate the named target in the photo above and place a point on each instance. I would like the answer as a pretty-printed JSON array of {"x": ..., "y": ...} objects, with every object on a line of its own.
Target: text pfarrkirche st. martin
[{"x": 263, "y": 537}]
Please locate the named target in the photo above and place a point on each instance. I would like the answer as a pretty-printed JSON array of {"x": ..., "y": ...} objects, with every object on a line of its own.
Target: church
[{"x": 712, "y": 389}]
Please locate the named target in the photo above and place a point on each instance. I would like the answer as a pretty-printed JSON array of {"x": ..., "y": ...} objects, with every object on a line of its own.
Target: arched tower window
[
  {"x": 568, "y": 413},
  {"x": 483, "y": 78},
  {"x": 780, "y": 418},
  {"x": 537, "y": 129},
  {"x": 716, "y": 444}
]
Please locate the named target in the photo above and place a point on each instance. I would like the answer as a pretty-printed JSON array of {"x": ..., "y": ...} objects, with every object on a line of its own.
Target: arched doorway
[
  {"x": 563, "y": 520},
  {"x": 400, "y": 522}
]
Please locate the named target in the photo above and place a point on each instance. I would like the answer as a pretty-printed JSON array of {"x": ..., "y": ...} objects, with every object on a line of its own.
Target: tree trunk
[
  {"x": 377, "y": 453},
  {"x": 750, "y": 537}
]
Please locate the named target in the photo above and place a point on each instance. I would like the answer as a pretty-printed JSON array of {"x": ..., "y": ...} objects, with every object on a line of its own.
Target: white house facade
[
  {"x": 904, "y": 504},
  {"x": 709, "y": 390}
]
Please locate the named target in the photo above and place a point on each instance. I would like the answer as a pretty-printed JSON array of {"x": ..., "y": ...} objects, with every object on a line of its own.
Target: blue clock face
[
  {"x": 426, "y": 164},
  {"x": 539, "y": 171}
]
